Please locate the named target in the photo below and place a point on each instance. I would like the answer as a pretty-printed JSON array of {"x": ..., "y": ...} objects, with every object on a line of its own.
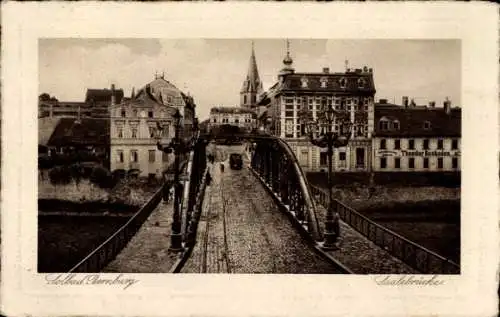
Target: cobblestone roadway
[{"x": 242, "y": 231}]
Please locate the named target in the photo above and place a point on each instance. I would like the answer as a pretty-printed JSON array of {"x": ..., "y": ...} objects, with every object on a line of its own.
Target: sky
[{"x": 213, "y": 70}]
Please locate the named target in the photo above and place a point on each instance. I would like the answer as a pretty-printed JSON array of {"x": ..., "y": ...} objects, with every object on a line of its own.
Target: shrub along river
[{"x": 68, "y": 232}]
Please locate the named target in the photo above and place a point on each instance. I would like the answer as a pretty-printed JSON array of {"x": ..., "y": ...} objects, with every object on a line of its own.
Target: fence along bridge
[{"x": 222, "y": 231}]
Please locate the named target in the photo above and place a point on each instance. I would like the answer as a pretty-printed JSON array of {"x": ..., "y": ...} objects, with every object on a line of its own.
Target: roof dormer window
[
  {"x": 383, "y": 124},
  {"x": 395, "y": 125},
  {"x": 343, "y": 82},
  {"x": 323, "y": 81},
  {"x": 427, "y": 125},
  {"x": 304, "y": 82},
  {"x": 361, "y": 83}
]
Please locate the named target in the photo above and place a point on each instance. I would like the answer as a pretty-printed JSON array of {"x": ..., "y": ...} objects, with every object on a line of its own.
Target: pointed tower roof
[{"x": 252, "y": 82}]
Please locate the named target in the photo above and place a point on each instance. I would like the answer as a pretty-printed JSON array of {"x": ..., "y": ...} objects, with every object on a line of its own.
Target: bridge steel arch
[{"x": 277, "y": 166}]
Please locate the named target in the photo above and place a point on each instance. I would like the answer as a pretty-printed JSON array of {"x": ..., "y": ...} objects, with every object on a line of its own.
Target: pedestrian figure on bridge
[
  {"x": 209, "y": 178},
  {"x": 166, "y": 192}
]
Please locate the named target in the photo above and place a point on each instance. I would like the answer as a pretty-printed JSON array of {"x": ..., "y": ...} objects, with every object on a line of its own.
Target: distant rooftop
[{"x": 232, "y": 110}]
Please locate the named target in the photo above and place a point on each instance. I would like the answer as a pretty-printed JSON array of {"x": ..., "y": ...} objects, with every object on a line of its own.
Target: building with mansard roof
[
  {"x": 134, "y": 127},
  {"x": 252, "y": 85},
  {"x": 412, "y": 137},
  {"x": 351, "y": 94}
]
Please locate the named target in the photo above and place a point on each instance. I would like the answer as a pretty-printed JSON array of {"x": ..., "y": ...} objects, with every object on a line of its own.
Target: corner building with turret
[{"x": 351, "y": 94}]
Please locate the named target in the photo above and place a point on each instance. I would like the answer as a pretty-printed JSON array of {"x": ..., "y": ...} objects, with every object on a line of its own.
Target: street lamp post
[
  {"x": 329, "y": 140},
  {"x": 179, "y": 147}
]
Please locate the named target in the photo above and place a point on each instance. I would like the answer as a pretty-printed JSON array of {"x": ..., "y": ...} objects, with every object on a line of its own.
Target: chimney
[
  {"x": 370, "y": 70},
  {"x": 113, "y": 97},
  {"x": 405, "y": 101},
  {"x": 365, "y": 69},
  {"x": 326, "y": 70},
  {"x": 447, "y": 106}
]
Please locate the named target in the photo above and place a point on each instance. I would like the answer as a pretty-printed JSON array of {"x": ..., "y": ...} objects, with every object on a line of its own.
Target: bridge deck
[
  {"x": 147, "y": 251},
  {"x": 241, "y": 230}
]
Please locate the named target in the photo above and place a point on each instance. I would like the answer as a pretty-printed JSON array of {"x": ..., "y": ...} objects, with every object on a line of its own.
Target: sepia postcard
[{"x": 250, "y": 159}]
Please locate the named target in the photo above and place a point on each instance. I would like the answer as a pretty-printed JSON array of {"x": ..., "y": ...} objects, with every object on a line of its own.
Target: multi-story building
[
  {"x": 252, "y": 85},
  {"x": 241, "y": 117},
  {"x": 416, "y": 138},
  {"x": 350, "y": 93},
  {"x": 134, "y": 127}
]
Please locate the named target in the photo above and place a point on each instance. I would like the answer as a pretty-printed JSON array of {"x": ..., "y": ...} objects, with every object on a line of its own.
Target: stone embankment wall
[
  {"x": 359, "y": 197},
  {"x": 85, "y": 191}
]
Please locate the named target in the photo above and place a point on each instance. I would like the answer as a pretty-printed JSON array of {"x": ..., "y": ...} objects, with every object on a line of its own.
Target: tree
[{"x": 44, "y": 97}]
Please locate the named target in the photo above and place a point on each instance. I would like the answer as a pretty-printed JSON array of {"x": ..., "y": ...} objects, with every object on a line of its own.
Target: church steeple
[{"x": 252, "y": 86}]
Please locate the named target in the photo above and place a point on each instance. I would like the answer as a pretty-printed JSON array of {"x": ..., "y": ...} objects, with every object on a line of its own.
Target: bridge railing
[
  {"x": 109, "y": 249},
  {"x": 275, "y": 163},
  {"x": 413, "y": 254},
  {"x": 194, "y": 190}
]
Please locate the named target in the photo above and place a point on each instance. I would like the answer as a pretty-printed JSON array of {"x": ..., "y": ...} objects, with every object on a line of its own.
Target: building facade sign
[{"x": 424, "y": 153}]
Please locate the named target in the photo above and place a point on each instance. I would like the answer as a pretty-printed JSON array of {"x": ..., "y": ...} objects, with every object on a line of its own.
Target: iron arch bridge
[{"x": 274, "y": 164}]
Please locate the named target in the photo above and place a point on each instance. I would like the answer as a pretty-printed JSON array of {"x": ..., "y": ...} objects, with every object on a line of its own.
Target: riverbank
[{"x": 131, "y": 192}]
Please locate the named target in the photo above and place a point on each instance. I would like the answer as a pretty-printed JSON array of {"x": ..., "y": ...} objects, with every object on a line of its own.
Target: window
[
  {"x": 164, "y": 157},
  {"x": 454, "y": 144},
  {"x": 134, "y": 112},
  {"x": 288, "y": 107},
  {"x": 426, "y": 144},
  {"x": 322, "y": 158},
  {"x": 360, "y": 131},
  {"x": 426, "y": 162},
  {"x": 152, "y": 154},
  {"x": 324, "y": 81},
  {"x": 343, "y": 82},
  {"x": 134, "y": 133},
  {"x": 304, "y": 82},
  {"x": 383, "y": 144},
  {"x": 120, "y": 132},
  {"x": 298, "y": 127},
  {"x": 342, "y": 156},
  {"x": 427, "y": 125},
  {"x": 397, "y": 144},
  {"x": 133, "y": 156},
  {"x": 120, "y": 156},
  {"x": 236, "y": 121},
  {"x": 253, "y": 98},
  {"x": 395, "y": 125},
  {"x": 245, "y": 99},
  {"x": 383, "y": 162},
  {"x": 165, "y": 131},
  {"x": 383, "y": 125},
  {"x": 361, "y": 83},
  {"x": 289, "y": 114},
  {"x": 123, "y": 113},
  {"x": 440, "y": 144},
  {"x": 411, "y": 162},
  {"x": 411, "y": 144},
  {"x": 150, "y": 114},
  {"x": 440, "y": 162},
  {"x": 397, "y": 162},
  {"x": 151, "y": 132},
  {"x": 454, "y": 162},
  {"x": 215, "y": 120}
]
